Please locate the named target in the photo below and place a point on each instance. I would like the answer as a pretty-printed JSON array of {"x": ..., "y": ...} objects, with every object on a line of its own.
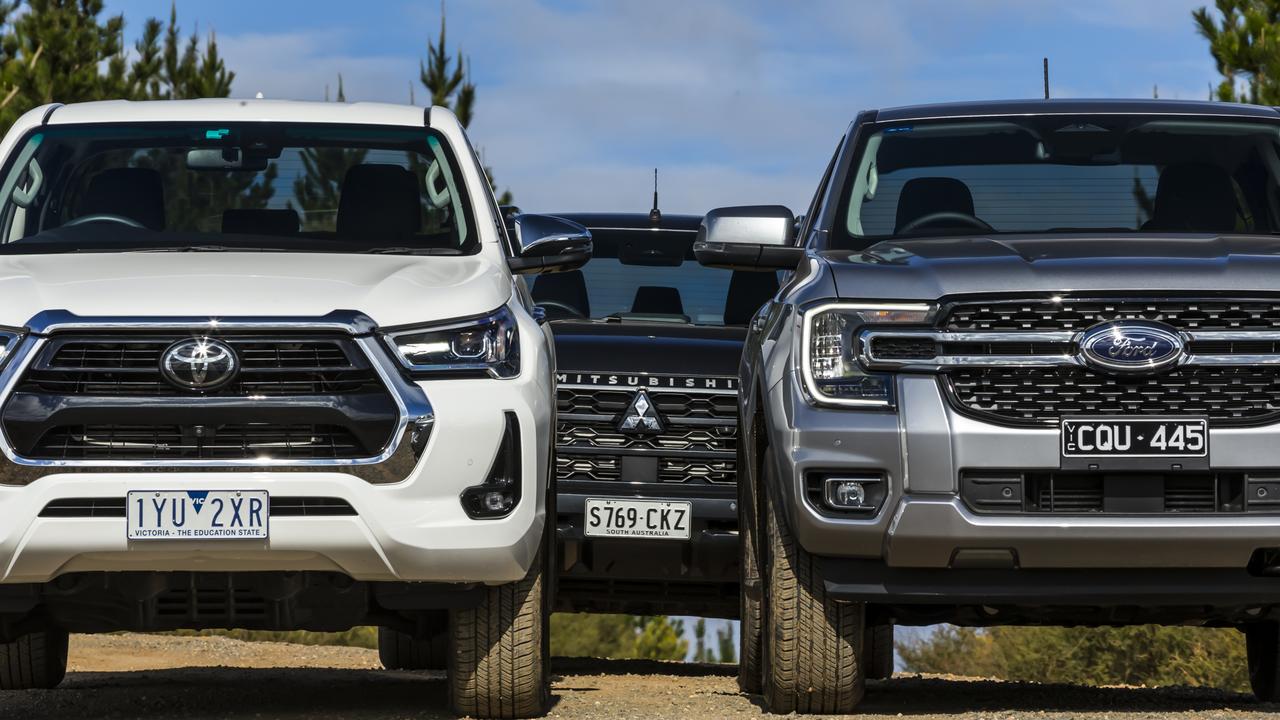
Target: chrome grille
[
  {"x": 579, "y": 434},
  {"x": 680, "y": 471},
  {"x": 671, "y": 404}
]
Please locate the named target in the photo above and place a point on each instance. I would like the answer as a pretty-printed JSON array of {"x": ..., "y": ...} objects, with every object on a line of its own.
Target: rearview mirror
[
  {"x": 756, "y": 237},
  {"x": 545, "y": 243}
]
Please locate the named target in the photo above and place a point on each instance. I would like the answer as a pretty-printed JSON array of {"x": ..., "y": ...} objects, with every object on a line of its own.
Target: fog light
[
  {"x": 500, "y": 492},
  {"x": 843, "y": 493},
  {"x": 497, "y": 501}
]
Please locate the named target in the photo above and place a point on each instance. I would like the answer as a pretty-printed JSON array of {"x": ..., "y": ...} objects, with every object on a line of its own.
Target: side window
[{"x": 807, "y": 224}]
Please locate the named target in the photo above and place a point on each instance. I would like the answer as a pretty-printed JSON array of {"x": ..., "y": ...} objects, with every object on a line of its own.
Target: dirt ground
[{"x": 150, "y": 676}]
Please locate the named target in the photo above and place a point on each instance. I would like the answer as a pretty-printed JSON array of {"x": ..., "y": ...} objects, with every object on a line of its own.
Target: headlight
[
  {"x": 832, "y": 374},
  {"x": 481, "y": 346}
]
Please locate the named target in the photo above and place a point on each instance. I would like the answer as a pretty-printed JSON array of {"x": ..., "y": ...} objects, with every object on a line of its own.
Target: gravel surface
[{"x": 153, "y": 676}]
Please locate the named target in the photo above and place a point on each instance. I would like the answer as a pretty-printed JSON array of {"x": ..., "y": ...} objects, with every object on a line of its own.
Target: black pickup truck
[{"x": 647, "y": 349}]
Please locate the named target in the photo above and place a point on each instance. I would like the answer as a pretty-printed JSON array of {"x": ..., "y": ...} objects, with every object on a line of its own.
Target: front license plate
[
  {"x": 199, "y": 514},
  {"x": 1127, "y": 437},
  {"x": 638, "y": 518}
]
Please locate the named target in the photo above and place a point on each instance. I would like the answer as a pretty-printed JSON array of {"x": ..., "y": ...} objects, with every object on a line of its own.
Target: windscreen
[
  {"x": 235, "y": 186},
  {"x": 652, "y": 275},
  {"x": 1105, "y": 174}
]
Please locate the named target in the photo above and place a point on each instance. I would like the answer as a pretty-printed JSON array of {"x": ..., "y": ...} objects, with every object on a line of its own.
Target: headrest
[
  {"x": 653, "y": 300},
  {"x": 1194, "y": 197},
  {"x": 567, "y": 288},
  {"x": 748, "y": 290},
  {"x": 135, "y": 193},
  {"x": 379, "y": 200},
  {"x": 239, "y": 221},
  {"x": 928, "y": 195}
]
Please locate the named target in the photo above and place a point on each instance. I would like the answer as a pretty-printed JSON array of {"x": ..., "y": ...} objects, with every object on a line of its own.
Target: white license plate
[
  {"x": 199, "y": 514},
  {"x": 665, "y": 519}
]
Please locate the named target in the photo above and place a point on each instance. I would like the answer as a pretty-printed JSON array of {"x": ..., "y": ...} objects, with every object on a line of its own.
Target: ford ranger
[{"x": 1025, "y": 371}]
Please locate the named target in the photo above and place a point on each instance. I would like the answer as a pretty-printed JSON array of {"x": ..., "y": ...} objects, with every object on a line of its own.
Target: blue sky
[{"x": 737, "y": 101}]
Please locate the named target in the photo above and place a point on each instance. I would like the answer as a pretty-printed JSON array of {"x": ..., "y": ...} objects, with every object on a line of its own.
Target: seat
[
  {"x": 557, "y": 291},
  {"x": 135, "y": 193},
  {"x": 240, "y": 221},
  {"x": 655, "y": 300},
  {"x": 748, "y": 290},
  {"x": 1194, "y": 197},
  {"x": 379, "y": 200},
  {"x": 927, "y": 195}
]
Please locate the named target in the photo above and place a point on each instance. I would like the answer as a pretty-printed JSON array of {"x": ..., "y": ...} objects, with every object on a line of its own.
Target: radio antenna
[
  {"x": 655, "y": 215},
  {"x": 1046, "y": 78}
]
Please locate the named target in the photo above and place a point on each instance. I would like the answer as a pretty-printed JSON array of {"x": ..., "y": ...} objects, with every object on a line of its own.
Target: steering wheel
[
  {"x": 104, "y": 217},
  {"x": 563, "y": 307},
  {"x": 945, "y": 216}
]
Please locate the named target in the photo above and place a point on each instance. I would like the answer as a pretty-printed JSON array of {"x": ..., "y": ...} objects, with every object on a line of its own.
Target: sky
[{"x": 735, "y": 101}]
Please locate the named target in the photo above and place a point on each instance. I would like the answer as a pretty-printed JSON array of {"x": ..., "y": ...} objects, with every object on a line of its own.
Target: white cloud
[{"x": 298, "y": 66}]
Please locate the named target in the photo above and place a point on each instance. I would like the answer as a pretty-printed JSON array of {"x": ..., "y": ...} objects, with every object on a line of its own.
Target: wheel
[
  {"x": 811, "y": 642},
  {"x": 34, "y": 661},
  {"x": 402, "y": 651},
  {"x": 750, "y": 613},
  {"x": 1262, "y": 645},
  {"x": 879, "y": 652},
  {"x": 499, "y": 659}
]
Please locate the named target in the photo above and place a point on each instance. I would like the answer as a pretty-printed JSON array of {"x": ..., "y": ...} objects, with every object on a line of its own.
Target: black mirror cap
[
  {"x": 546, "y": 243},
  {"x": 741, "y": 256}
]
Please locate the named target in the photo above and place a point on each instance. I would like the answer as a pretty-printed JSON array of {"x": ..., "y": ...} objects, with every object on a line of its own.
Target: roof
[
  {"x": 1075, "y": 107},
  {"x": 232, "y": 110},
  {"x": 632, "y": 221}
]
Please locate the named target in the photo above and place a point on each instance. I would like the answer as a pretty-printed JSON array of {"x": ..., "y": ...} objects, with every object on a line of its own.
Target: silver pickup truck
[{"x": 1025, "y": 370}]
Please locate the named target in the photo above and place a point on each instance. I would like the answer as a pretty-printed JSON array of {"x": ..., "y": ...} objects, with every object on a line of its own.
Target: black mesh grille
[
  {"x": 1045, "y": 315},
  {"x": 129, "y": 366},
  {"x": 669, "y": 404},
  {"x": 697, "y": 444},
  {"x": 223, "y": 442},
  {"x": 1225, "y": 395}
]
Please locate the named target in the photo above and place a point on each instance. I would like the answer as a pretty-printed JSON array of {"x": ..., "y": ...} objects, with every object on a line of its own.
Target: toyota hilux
[
  {"x": 266, "y": 365},
  {"x": 1024, "y": 371}
]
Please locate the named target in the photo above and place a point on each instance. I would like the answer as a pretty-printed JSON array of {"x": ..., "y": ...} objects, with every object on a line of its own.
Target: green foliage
[
  {"x": 618, "y": 636},
  {"x": 728, "y": 651},
  {"x": 1245, "y": 44},
  {"x": 1143, "y": 655},
  {"x": 66, "y": 51}
]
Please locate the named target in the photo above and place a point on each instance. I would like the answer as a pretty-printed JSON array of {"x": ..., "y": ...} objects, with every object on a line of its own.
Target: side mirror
[
  {"x": 748, "y": 238},
  {"x": 545, "y": 243}
]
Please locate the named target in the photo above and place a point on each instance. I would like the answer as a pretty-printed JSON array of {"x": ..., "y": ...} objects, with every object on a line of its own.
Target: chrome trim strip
[
  {"x": 1232, "y": 335},
  {"x": 650, "y": 388},
  {"x": 348, "y": 321},
  {"x": 415, "y": 409}
]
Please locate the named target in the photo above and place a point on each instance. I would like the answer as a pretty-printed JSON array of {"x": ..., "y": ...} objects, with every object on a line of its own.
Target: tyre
[
  {"x": 402, "y": 651},
  {"x": 1262, "y": 644},
  {"x": 750, "y": 613},
  {"x": 811, "y": 642},
  {"x": 498, "y": 662},
  {"x": 37, "y": 661},
  {"x": 879, "y": 653}
]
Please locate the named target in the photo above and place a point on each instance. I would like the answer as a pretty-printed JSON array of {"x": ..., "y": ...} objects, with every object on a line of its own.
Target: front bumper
[
  {"x": 922, "y": 448},
  {"x": 411, "y": 530},
  {"x": 631, "y": 575}
]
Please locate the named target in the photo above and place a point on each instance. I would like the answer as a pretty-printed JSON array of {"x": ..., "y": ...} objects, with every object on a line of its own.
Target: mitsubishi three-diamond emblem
[{"x": 641, "y": 416}]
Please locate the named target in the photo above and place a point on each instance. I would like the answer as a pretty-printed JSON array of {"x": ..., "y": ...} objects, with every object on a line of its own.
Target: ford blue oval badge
[{"x": 1133, "y": 346}]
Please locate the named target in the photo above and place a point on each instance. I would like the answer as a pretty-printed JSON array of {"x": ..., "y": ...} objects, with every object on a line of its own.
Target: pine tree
[
  {"x": 448, "y": 79},
  {"x": 1245, "y": 44}
]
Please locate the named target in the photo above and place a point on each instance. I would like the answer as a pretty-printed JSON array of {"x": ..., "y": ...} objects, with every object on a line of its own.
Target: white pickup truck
[{"x": 267, "y": 365}]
